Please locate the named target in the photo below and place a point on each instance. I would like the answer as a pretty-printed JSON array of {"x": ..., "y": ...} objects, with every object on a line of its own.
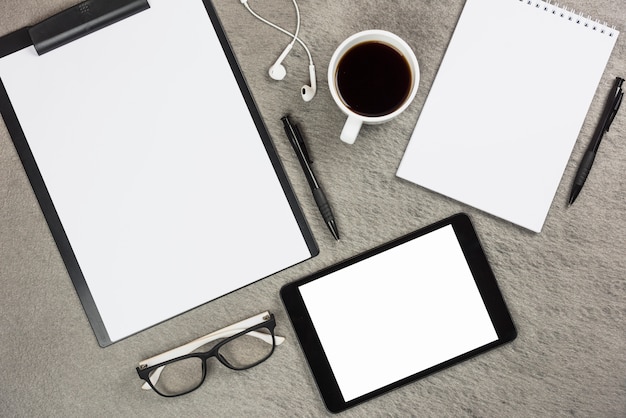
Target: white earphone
[
  {"x": 308, "y": 92},
  {"x": 277, "y": 71}
]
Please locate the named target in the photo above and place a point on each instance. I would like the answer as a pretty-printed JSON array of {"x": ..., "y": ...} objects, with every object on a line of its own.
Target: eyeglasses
[{"x": 181, "y": 370}]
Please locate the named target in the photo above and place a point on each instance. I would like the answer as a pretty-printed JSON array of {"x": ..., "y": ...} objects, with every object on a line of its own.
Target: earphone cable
[{"x": 286, "y": 32}]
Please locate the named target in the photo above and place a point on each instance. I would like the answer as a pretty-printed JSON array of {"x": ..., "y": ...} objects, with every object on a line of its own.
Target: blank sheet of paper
[
  {"x": 154, "y": 164},
  {"x": 506, "y": 107}
]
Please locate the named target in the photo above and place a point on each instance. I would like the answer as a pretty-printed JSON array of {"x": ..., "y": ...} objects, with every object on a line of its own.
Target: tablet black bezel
[{"x": 485, "y": 282}]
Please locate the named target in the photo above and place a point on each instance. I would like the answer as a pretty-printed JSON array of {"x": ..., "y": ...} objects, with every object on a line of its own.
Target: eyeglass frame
[{"x": 229, "y": 333}]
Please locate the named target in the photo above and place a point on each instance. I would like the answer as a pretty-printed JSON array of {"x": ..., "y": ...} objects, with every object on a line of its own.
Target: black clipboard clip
[{"x": 80, "y": 20}]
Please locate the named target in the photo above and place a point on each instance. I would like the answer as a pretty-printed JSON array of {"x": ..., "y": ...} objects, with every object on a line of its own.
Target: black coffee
[{"x": 373, "y": 79}]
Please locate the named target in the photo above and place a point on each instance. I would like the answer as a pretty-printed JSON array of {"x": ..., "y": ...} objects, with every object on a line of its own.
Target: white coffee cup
[{"x": 355, "y": 119}]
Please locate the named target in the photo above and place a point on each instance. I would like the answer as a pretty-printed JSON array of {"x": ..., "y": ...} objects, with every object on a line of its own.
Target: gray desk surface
[{"x": 565, "y": 287}]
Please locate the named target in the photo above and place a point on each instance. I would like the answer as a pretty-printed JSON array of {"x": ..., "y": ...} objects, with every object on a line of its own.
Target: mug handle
[{"x": 351, "y": 129}]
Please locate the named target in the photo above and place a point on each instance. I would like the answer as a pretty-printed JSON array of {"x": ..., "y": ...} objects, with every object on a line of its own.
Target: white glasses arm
[{"x": 199, "y": 342}]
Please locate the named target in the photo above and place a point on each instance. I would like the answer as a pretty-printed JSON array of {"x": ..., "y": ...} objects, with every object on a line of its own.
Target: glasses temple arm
[{"x": 191, "y": 346}]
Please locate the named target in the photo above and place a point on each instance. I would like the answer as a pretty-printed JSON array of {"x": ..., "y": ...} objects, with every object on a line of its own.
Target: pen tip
[
  {"x": 570, "y": 203},
  {"x": 333, "y": 229}
]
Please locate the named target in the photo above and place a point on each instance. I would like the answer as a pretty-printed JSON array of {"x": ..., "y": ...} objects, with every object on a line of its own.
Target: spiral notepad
[{"x": 507, "y": 105}]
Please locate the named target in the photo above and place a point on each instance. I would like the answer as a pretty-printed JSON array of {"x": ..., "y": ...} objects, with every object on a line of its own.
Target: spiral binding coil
[{"x": 571, "y": 15}]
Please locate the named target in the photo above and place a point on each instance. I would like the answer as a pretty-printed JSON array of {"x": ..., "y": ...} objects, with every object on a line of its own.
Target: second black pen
[{"x": 297, "y": 142}]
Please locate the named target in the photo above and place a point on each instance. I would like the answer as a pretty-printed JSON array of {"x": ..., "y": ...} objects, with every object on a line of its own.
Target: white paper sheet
[
  {"x": 154, "y": 165},
  {"x": 506, "y": 107}
]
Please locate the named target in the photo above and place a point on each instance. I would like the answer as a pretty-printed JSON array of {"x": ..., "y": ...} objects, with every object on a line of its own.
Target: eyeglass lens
[
  {"x": 180, "y": 377},
  {"x": 246, "y": 351},
  {"x": 240, "y": 353}
]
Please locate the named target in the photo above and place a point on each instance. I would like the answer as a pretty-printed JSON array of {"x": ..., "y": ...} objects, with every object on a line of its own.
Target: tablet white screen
[{"x": 397, "y": 313}]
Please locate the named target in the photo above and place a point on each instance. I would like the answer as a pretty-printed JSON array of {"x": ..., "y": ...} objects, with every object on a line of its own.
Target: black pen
[
  {"x": 297, "y": 142},
  {"x": 612, "y": 105}
]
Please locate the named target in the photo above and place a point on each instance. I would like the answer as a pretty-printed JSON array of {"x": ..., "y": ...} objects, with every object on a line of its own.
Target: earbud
[
  {"x": 308, "y": 92},
  {"x": 278, "y": 71}
]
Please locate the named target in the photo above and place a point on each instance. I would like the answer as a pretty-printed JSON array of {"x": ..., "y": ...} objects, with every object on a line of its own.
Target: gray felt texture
[{"x": 565, "y": 287}]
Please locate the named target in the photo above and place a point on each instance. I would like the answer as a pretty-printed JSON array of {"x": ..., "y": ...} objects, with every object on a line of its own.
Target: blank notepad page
[{"x": 506, "y": 107}]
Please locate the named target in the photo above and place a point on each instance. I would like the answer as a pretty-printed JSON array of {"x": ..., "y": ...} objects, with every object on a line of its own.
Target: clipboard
[
  {"x": 149, "y": 159},
  {"x": 398, "y": 313}
]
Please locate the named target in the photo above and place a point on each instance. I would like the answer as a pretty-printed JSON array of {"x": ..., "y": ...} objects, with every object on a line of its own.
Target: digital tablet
[{"x": 398, "y": 312}]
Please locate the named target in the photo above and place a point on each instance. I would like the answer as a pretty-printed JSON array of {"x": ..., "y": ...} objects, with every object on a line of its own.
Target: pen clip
[
  {"x": 617, "y": 102},
  {"x": 616, "y": 106},
  {"x": 300, "y": 139}
]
